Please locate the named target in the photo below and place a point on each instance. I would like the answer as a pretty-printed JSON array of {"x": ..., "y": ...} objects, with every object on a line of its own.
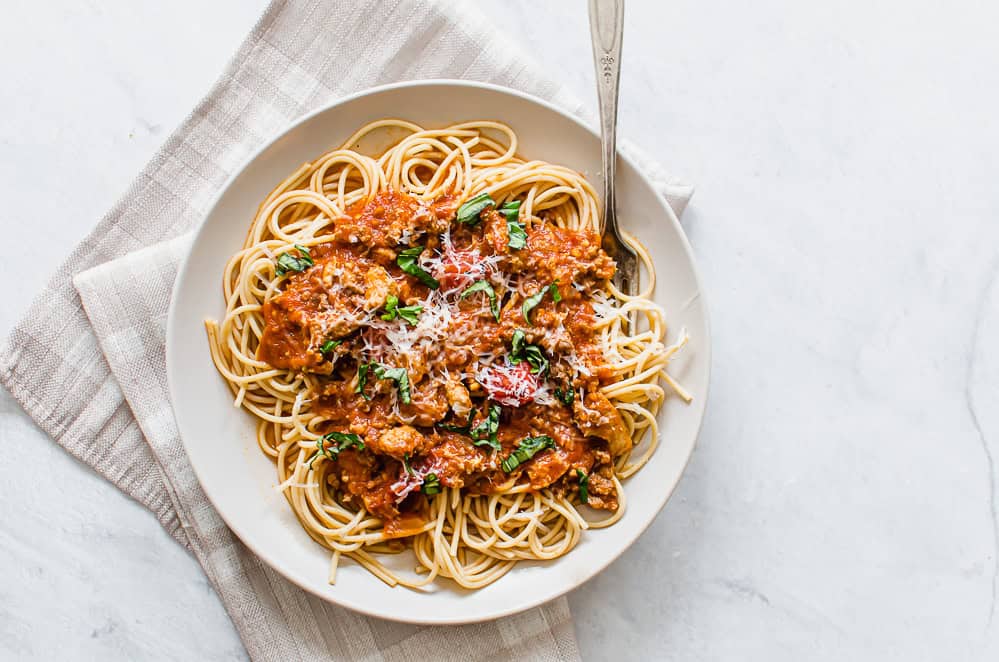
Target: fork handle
[{"x": 606, "y": 31}]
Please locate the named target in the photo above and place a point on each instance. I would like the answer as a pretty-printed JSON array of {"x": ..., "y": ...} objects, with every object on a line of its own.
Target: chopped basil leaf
[
  {"x": 584, "y": 486},
  {"x": 514, "y": 228},
  {"x": 431, "y": 485},
  {"x": 537, "y": 359},
  {"x": 565, "y": 397},
  {"x": 345, "y": 440},
  {"x": 409, "y": 262},
  {"x": 534, "y": 355},
  {"x": 484, "y": 286},
  {"x": 391, "y": 308},
  {"x": 460, "y": 429},
  {"x": 469, "y": 212},
  {"x": 287, "y": 262},
  {"x": 518, "y": 236},
  {"x": 484, "y": 434},
  {"x": 532, "y": 301},
  {"x": 362, "y": 379},
  {"x": 526, "y": 450},
  {"x": 332, "y": 443},
  {"x": 517, "y": 345},
  {"x": 399, "y": 376},
  {"x": 409, "y": 313},
  {"x": 329, "y": 346},
  {"x": 556, "y": 295}
]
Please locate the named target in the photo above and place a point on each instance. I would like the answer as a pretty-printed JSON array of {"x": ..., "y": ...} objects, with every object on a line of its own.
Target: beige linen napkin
[{"x": 102, "y": 395}]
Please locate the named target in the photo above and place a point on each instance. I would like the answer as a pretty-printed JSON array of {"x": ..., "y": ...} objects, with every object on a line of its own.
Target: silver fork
[{"x": 606, "y": 31}]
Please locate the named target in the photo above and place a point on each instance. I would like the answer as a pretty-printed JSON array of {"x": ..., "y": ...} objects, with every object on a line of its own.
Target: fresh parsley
[
  {"x": 287, "y": 262},
  {"x": 409, "y": 261},
  {"x": 584, "y": 486},
  {"x": 409, "y": 313},
  {"x": 330, "y": 445},
  {"x": 470, "y": 210},
  {"x": 484, "y": 286},
  {"x": 532, "y": 301},
  {"x": 527, "y": 449},
  {"x": 514, "y": 228},
  {"x": 431, "y": 485},
  {"x": 399, "y": 376}
]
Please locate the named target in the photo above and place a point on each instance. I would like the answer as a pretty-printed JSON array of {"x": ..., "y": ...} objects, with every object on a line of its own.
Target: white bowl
[{"x": 219, "y": 439}]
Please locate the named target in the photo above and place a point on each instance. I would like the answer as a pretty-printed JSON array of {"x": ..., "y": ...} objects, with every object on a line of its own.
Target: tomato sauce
[{"x": 334, "y": 319}]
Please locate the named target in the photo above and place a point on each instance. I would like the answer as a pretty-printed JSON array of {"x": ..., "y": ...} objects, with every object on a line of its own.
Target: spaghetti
[{"x": 435, "y": 354}]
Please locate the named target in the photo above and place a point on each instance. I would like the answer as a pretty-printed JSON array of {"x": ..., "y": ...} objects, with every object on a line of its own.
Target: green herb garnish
[
  {"x": 287, "y": 262},
  {"x": 565, "y": 397},
  {"x": 521, "y": 351},
  {"x": 532, "y": 301},
  {"x": 391, "y": 308},
  {"x": 362, "y": 379},
  {"x": 527, "y": 449},
  {"x": 431, "y": 485},
  {"x": 399, "y": 376},
  {"x": 517, "y": 346},
  {"x": 460, "y": 429},
  {"x": 514, "y": 228},
  {"x": 409, "y": 313},
  {"x": 484, "y": 434},
  {"x": 584, "y": 486},
  {"x": 470, "y": 210},
  {"x": 332, "y": 443},
  {"x": 409, "y": 262},
  {"x": 556, "y": 295},
  {"x": 484, "y": 286},
  {"x": 329, "y": 346}
]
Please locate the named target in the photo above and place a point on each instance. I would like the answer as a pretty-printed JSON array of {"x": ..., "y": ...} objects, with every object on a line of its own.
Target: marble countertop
[{"x": 841, "y": 503}]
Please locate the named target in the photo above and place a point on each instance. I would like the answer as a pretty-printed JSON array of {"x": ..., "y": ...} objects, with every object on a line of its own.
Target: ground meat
[
  {"x": 579, "y": 251},
  {"x": 445, "y": 347},
  {"x": 361, "y": 478},
  {"x": 453, "y": 458},
  {"x": 325, "y": 302},
  {"x": 495, "y": 232},
  {"x": 398, "y": 442},
  {"x": 386, "y": 219},
  {"x": 458, "y": 396},
  {"x": 378, "y": 285},
  {"x": 597, "y": 417},
  {"x": 429, "y": 405},
  {"x": 602, "y": 493}
]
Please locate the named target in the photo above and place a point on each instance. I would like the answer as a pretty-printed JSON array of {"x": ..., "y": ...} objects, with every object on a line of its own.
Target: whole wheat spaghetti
[{"x": 435, "y": 354}]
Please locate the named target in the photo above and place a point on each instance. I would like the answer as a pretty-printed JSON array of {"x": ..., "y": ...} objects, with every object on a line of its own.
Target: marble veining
[{"x": 985, "y": 300}]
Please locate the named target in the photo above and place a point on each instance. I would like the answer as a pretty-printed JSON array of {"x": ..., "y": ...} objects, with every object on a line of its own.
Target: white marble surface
[{"x": 842, "y": 500}]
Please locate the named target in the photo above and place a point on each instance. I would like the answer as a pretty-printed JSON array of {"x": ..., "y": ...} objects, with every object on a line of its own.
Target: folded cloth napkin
[{"x": 87, "y": 361}]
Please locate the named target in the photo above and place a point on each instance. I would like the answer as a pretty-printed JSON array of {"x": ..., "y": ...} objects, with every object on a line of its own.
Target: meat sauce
[{"x": 457, "y": 356}]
